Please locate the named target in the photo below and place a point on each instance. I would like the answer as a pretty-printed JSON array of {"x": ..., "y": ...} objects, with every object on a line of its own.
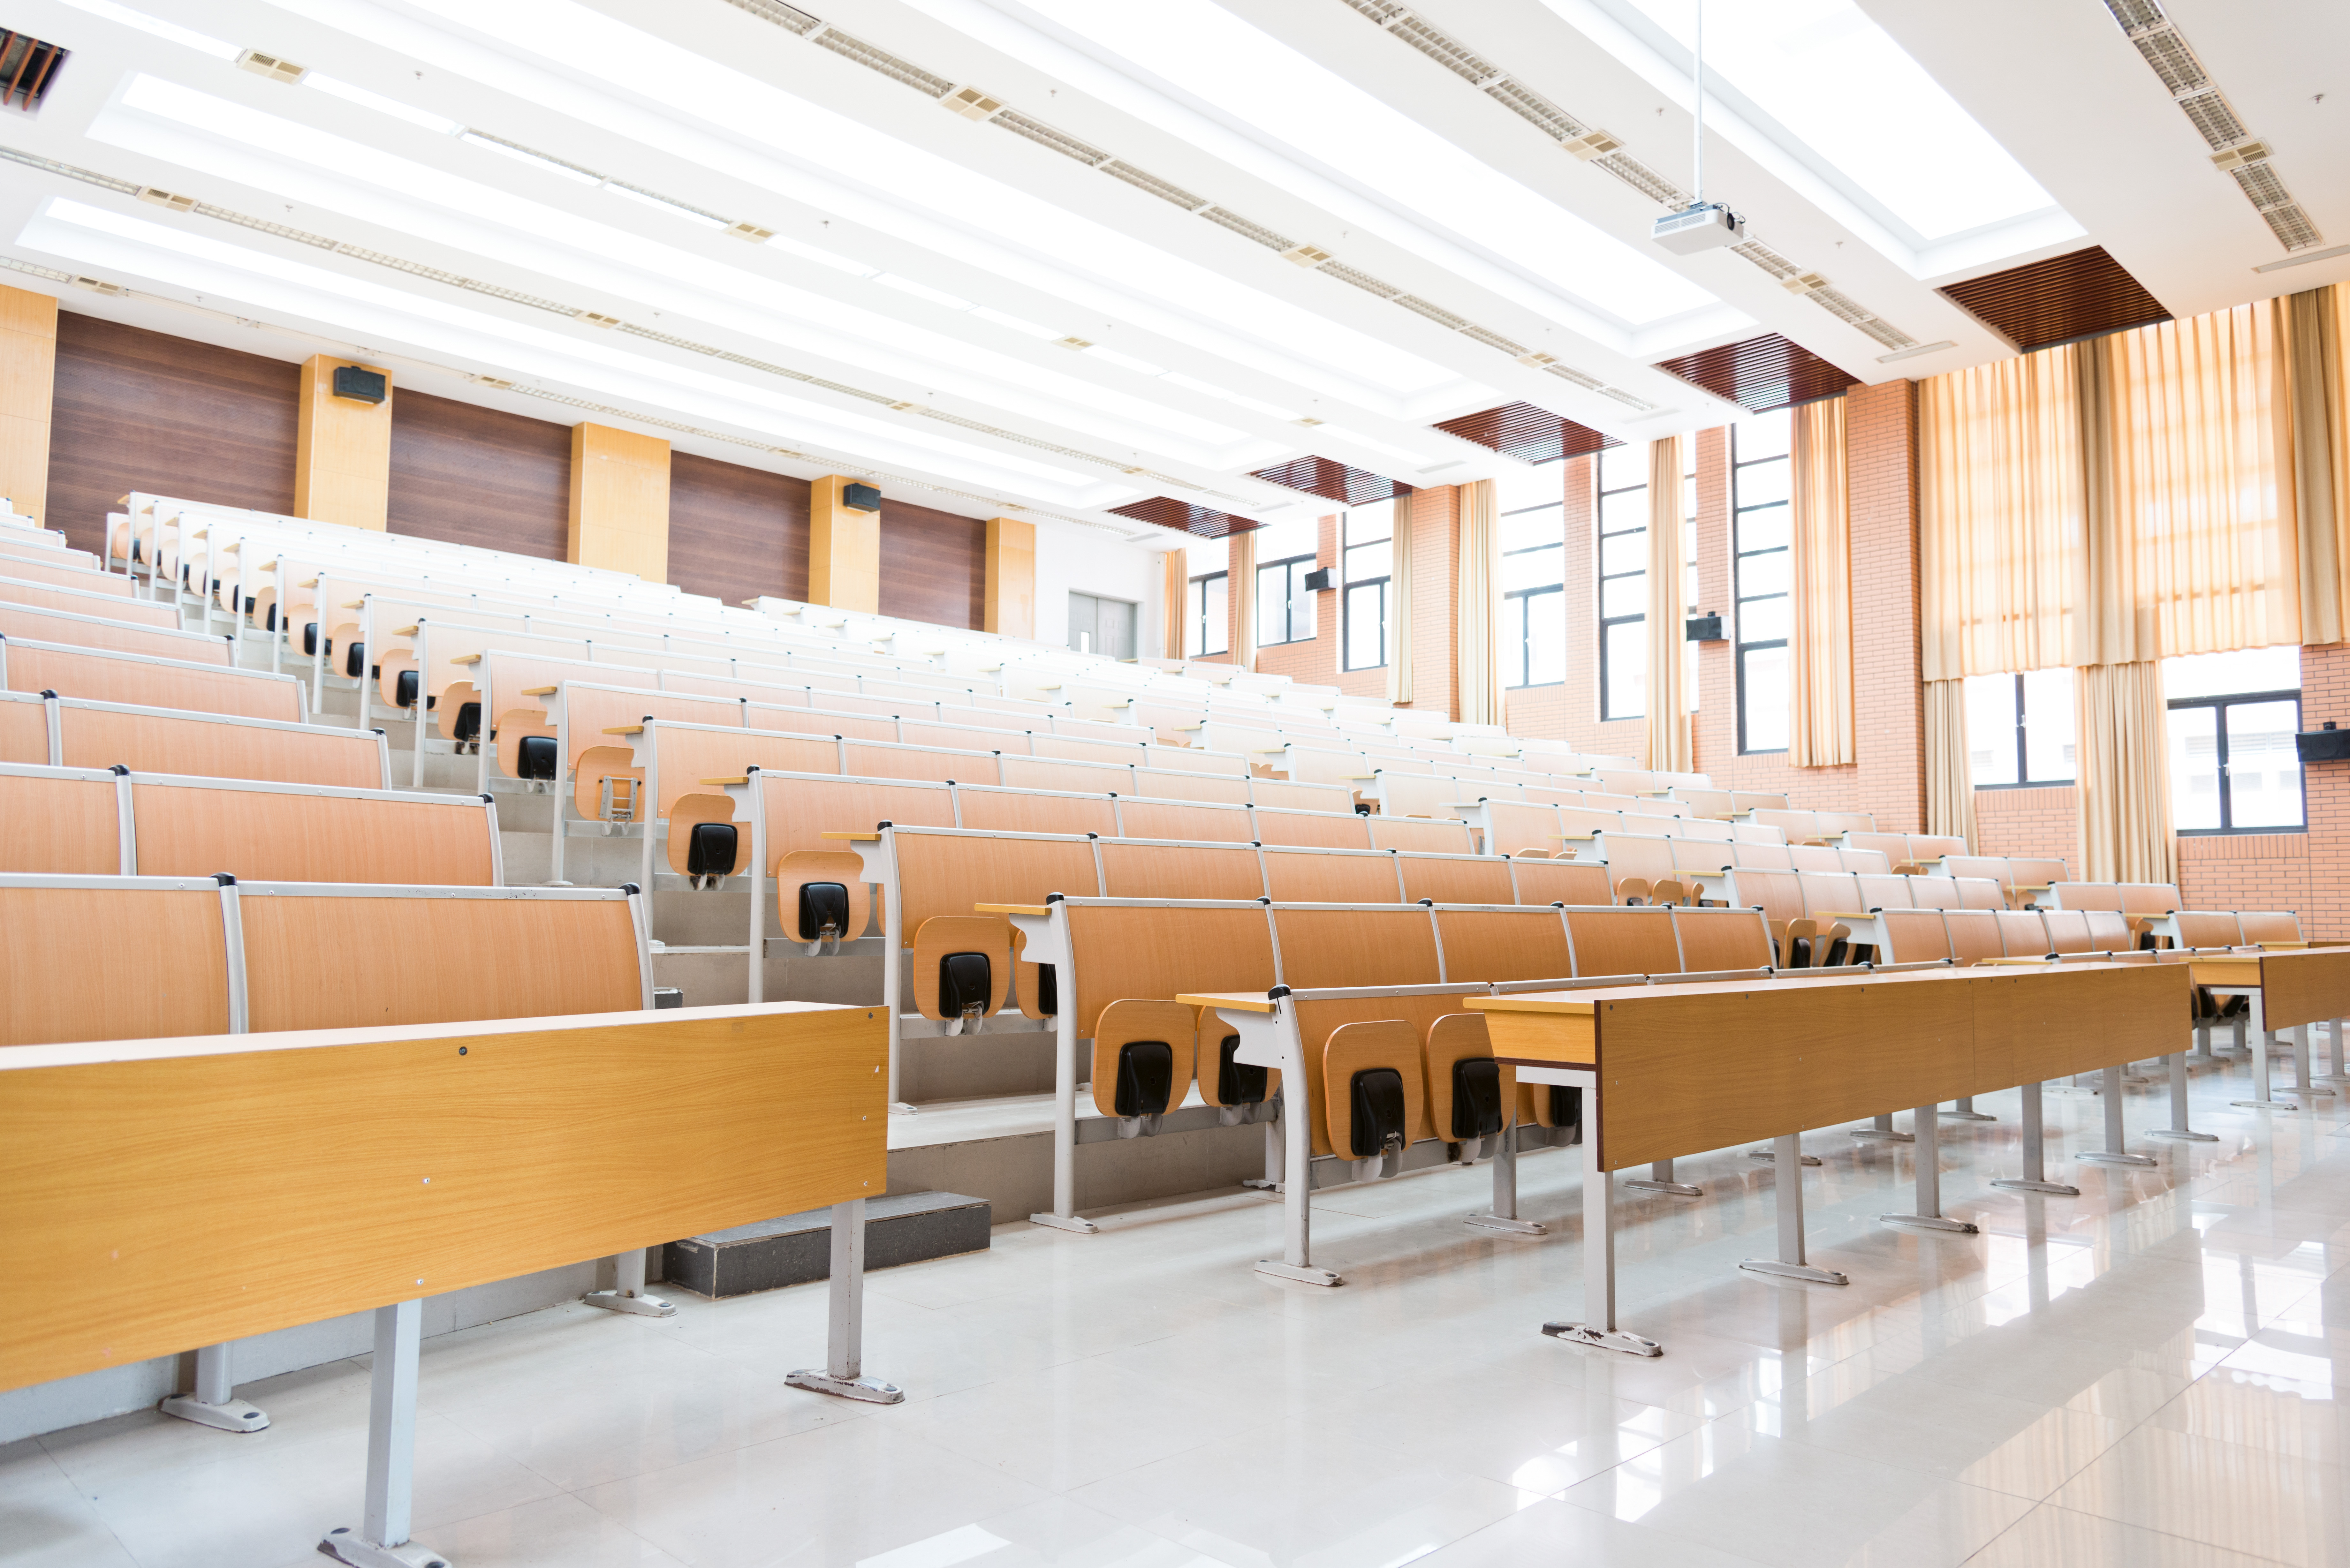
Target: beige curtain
[
  {"x": 2125, "y": 777},
  {"x": 1479, "y": 616},
  {"x": 2319, "y": 396},
  {"x": 2000, "y": 515},
  {"x": 1819, "y": 522},
  {"x": 2201, "y": 521},
  {"x": 1668, "y": 719},
  {"x": 1950, "y": 772},
  {"x": 1176, "y": 598},
  {"x": 1400, "y": 604},
  {"x": 1240, "y": 597}
]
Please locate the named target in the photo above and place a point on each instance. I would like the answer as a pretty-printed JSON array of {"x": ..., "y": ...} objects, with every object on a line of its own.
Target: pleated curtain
[
  {"x": 1400, "y": 604},
  {"x": 1949, "y": 775},
  {"x": 1669, "y": 745},
  {"x": 1176, "y": 598},
  {"x": 2124, "y": 775},
  {"x": 1819, "y": 522},
  {"x": 1480, "y": 610},
  {"x": 1240, "y": 596},
  {"x": 2318, "y": 352}
]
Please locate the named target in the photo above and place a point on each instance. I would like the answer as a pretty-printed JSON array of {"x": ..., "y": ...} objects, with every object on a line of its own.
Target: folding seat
[
  {"x": 1560, "y": 882},
  {"x": 1455, "y": 878},
  {"x": 1295, "y": 875},
  {"x": 1132, "y": 870},
  {"x": 1318, "y": 829},
  {"x": 1198, "y": 820},
  {"x": 1623, "y": 941}
]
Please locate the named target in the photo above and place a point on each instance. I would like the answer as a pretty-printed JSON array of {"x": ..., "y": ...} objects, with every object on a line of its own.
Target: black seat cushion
[
  {"x": 1145, "y": 1077},
  {"x": 355, "y": 659},
  {"x": 468, "y": 724},
  {"x": 535, "y": 757},
  {"x": 1565, "y": 1107},
  {"x": 1377, "y": 1097},
  {"x": 310, "y": 637},
  {"x": 1237, "y": 1083},
  {"x": 824, "y": 906},
  {"x": 1048, "y": 991},
  {"x": 966, "y": 985},
  {"x": 1476, "y": 1098},
  {"x": 709, "y": 849},
  {"x": 404, "y": 688}
]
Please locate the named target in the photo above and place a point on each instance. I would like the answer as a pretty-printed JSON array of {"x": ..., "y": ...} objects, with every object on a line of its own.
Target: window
[
  {"x": 1688, "y": 569},
  {"x": 1758, "y": 489},
  {"x": 1207, "y": 615},
  {"x": 1623, "y": 582},
  {"x": 1533, "y": 637},
  {"x": 2020, "y": 730},
  {"x": 2233, "y": 764},
  {"x": 1285, "y": 554},
  {"x": 1366, "y": 554}
]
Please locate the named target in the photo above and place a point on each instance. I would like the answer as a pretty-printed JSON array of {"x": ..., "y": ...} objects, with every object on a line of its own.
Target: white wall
[{"x": 1094, "y": 563}]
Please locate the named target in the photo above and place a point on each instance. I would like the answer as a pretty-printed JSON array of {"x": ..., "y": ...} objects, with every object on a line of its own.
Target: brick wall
[
  {"x": 1570, "y": 712},
  {"x": 2036, "y": 822},
  {"x": 1435, "y": 600},
  {"x": 1889, "y": 686}
]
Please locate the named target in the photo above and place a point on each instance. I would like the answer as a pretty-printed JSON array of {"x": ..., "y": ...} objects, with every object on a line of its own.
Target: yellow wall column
[
  {"x": 28, "y": 374},
  {"x": 844, "y": 549},
  {"x": 619, "y": 502},
  {"x": 1011, "y": 609},
  {"x": 342, "y": 452}
]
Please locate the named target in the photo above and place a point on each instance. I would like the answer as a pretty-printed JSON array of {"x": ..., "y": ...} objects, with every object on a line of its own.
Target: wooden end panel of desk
[
  {"x": 378, "y": 1172},
  {"x": 1565, "y": 1039},
  {"x": 2037, "y": 1026},
  {"x": 2309, "y": 986},
  {"x": 1688, "y": 1069}
]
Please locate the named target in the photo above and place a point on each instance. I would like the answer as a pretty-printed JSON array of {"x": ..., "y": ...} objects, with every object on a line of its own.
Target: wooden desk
[
  {"x": 374, "y": 1166},
  {"x": 1809, "y": 1053},
  {"x": 2289, "y": 989}
]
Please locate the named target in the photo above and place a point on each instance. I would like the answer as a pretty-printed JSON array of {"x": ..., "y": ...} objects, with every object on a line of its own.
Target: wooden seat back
[
  {"x": 1762, "y": 857},
  {"x": 2025, "y": 871},
  {"x": 2084, "y": 896},
  {"x": 1913, "y": 935},
  {"x": 888, "y": 760},
  {"x": 304, "y": 833},
  {"x": 38, "y": 595},
  {"x": 993, "y": 808},
  {"x": 1800, "y": 827},
  {"x": 1456, "y": 878},
  {"x": 2209, "y": 928},
  {"x": 1815, "y": 857},
  {"x": 1933, "y": 846},
  {"x": 1932, "y": 892},
  {"x": 1884, "y": 892},
  {"x": 2021, "y": 933},
  {"x": 684, "y": 756},
  {"x": 1302, "y": 875},
  {"x": 61, "y": 822},
  {"x": 1974, "y": 934},
  {"x": 1701, "y": 855},
  {"x": 1706, "y": 803},
  {"x": 2110, "y": 932},
  {"x": 1560, "y": 882},
  {"x": 1894, "y": 845},
  {"x": 72, "y": 629},
  {"x": 1158, "y": 952},
  {"x": 25, "y": 730},
  {"x": 2276, "y": 925},
  {"x": 2149, "y": 898},
  {"x": 1701, "y": 828},
  {"x": 1646, "y": 858},
  {"x": 1449, "y": 837},
  {"x": 113, "y": 958},
  {"x": 1494, "y": 945},
  {"x": 1713, "y": 939},
  {"x": 28, "y": 565},
  {"x": 1403, "y": 792},
  {"x": 801, "y": 808},
  {"x": 1319, "y": 829},
  {"x": 1199, "y": 788},
  {"x": 1758, "y": 800},
  {"x": 1835, "y": 824},
  {"x": 103, "y": 676},
  {"x": 1830, "y": 893},
  {"x": 2068, "y": 930},
  {"x": 1866, "y": 862},
  {"x": 1608, "y": 941},
  {"x": 1978, "y": 893},
  {"x": 1198, "y": 820},
  {"x": 1778, "y": 894},
  {"x": 1131, "y": 870}
]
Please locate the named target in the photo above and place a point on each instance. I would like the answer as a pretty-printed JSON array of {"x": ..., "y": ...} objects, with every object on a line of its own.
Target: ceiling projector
[{"x": 1700, "y": 226}]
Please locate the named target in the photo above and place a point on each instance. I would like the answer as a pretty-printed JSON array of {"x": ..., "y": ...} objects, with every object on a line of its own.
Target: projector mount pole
[{"x": 1697, "y": 154}]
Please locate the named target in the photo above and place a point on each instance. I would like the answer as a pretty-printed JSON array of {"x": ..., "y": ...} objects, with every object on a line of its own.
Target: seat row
[{"x": 76, "y": 732}]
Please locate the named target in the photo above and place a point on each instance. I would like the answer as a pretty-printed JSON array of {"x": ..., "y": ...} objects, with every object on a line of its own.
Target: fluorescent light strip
[
  {"x": 335, "y": 87},
  {"x": 188, "y": 37}
]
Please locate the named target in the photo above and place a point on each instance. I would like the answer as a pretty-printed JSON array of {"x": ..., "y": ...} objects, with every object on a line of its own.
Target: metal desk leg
[
  {"x": 2337, "y": 1074},
  {"x": 2177, "y": 1061},
  {"x": 843, "y": 1369},
  {"x": 2203, "y": 1039},
  {"x": 215, "y": 1402},
  {"x": 2262, "y": 1098},
  {"x": 2115, "y": 1136},
  {"x": 627, "y": 1291},
  {"x": 1789, "y": 1263},
  {"x": 2036, "y": 1174},
  {"x": 1660, "y": 1180},
  {"x": 1966, "y": 1112},
  {"x": 1599, "y": 1254},
  {"x": 1064, "y": 1216},
  {"x": 1881, "y": 1128},
  {"x": 1504, "y": 1214},
  {"x": 1928, "y": 1156},
  {"x": 2306, "y": 1083},
  {"x": 381, "y": 1540},
  {"x": 1296, "y": 1261}
]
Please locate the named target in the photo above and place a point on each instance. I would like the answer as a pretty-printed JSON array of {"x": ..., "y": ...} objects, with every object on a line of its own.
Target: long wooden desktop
[
  {"x": 1668, "y": 1070},
  {"x": 350, "y": 1169}
]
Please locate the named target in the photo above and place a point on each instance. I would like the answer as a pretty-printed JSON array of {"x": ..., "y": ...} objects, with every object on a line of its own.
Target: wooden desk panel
[
  {"x": 376, "y": 1165},
  {"x": 2305, "y": 987}
]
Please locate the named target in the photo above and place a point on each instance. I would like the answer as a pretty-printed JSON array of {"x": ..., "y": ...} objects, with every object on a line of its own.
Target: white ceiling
[{"x": 985, "y": 324}]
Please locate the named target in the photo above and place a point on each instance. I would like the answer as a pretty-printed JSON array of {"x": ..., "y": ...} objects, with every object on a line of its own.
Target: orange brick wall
[
  {"x": 1888, "y": 687},
  {"x": 2036, "y": 822}
]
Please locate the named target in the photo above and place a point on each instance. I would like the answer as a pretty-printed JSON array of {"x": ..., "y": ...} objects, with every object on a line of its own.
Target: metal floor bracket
[
  {"x": 1307, "y": 1276},
  {"x": 1794, "y": 1271},
  {"x": 869, "y": 1390},
  {"x": 344, "y": 1546},
  {"x": 1069, "y": 1222},
  {"x": 231, "y": 1415},
  {"x": 1603, "y": 1339}
]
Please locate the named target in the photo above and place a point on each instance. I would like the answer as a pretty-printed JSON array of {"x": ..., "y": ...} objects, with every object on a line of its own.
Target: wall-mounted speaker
[
  {"x": 1703, "y": 629},
  {"x": 2326, "y": 745},
  {"x": 359, "y": 385},
  {"x": 861, "y": 498},
  {"x": 1317, "y": 581}
]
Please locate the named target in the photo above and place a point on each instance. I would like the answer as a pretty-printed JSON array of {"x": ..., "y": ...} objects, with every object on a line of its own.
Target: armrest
[
  {"x": 467, "y": 658},
  {"x": 540, "y": 690},
  {"x": 846, "y": 838},
  {"x": 736, "y": 779},
  {"x": 1238, "y": 1000},
  {"x": 998, "y": 908},
  {"x": 625, "y": 730}
]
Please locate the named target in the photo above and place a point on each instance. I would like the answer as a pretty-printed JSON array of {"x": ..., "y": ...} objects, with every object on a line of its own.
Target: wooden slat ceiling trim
[
  {"x": 2083, "y": 293},
  {"x": 1333, "y": 481},
  {"x": 26, "y": 68},
  {"x": 1761, "y": 373},
  {"x": 1185, "y": 518},
  {"x": 1527, "y": 433}
]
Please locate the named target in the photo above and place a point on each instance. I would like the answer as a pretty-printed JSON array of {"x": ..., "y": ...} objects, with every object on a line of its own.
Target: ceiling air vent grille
[
  {"x": 1142, "y": 179},
  {"x": 2082, "y": 294},
  {"x": 904, "y": 72},
  {"x": 1602, "y": 150},
  {"x": 28, "y": 65},
  {"x": 1268, "y": 238},
  {"x": 1761, "y": 374},
  {"x": 1359, "y": 279},
  {"x": 1331, "y": 481},
  {"x": 1589, "y": 383},
  {"x": 1527, "y": 433},
  {"x": 2173, "y": 62},
  {"x": 1440, "y": 316},
  {"x": 785, "y": 16},
  {"x": 1044, "y": 135}
]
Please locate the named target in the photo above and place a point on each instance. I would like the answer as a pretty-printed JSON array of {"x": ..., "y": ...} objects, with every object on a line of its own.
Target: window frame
[
  {"x": 1288, "y": 565},
  {"x": 1740, "y": 599},
  {"x": 1346, "y": 588},
  {"x": 2227, "y": 829},
  {"x": 1601, "y": 577},
  {"x": 1195, "y": 611},
  {"x": 2024, "y": 749},
  {"x": 1521, "y": 680}
]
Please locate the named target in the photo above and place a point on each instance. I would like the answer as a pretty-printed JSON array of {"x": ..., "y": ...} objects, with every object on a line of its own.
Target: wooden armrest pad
[
  {"x": 1577, "y": 837},
  {"x": 1238, "y": 1000},
  {"x": 540, "y": 690},
  {"x": 467, "y": 658},
  {"x": 1848, "y": 915},
  {"x": 1533, "y": 1002},
  {"x": 736, "y": 779},
  {"x": 1010, "y": 908},
  {"x": 849, "y": 837},
  {"x": 404, "y": 631},
  {"x": 355, "y": 603},
  {"x": 625, "y": 730}
]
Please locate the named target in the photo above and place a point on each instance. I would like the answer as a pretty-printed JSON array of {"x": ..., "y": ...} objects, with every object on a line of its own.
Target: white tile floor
[{"x": 2144, "y": 1375}]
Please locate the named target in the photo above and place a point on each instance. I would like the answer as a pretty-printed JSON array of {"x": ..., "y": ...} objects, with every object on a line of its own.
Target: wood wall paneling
[
  {"x": 933, "y": 565},
  {"x": 28, "y": 355},
  {"x": 619, "y": 502},
  {"x": 135, "y": 409},
  {"x": 342, "y": 455},
  {"x": 736, "y": 532},
  {"x": 469, "y": 475},
  {"x": 1008, "y": 602},
  {"x": 844, "y": 549}
]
